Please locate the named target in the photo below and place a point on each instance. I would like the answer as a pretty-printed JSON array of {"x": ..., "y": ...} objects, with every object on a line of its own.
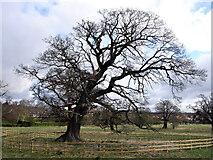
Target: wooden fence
[{"x": 38, "y": 143}]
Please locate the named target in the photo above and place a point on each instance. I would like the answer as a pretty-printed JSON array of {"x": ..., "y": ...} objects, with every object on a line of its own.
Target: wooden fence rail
[{"x": 36, "y": 143}]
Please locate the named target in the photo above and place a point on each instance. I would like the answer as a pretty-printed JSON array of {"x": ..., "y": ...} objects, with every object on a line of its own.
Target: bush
[
  {"x": 174, "y": 124},
  {"x": 23, "y": 124},
  {"x": 86, "y": 121},
  {"x": 62, "y": 123},
  {"x": 6, "y": 124},
  {"x": 30, "y": 120},
  {"x": 156, "y": 122},
  {"x": 127, "y": 129},
  {"x": 50, "y": 123}
]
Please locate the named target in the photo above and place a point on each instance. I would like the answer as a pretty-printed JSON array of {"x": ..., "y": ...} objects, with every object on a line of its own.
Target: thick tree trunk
[
  {"x": 73, "y": 130},
  {"x": 165, "y": 124},
  {"x": 75, "y": 118},
  {"x": 111, "y": 124}
]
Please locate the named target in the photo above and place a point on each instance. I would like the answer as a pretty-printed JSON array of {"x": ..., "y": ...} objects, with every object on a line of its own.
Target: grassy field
[{"x": 131, "y": 134}]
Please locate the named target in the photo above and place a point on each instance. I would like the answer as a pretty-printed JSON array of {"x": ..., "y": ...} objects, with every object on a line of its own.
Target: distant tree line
[
  {"x": 26, "y": 113},
  {"x": 30, "y": 113}
]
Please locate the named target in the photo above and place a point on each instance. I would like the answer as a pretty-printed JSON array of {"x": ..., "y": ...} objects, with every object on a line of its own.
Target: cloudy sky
[{"x": 26, "y": 24}]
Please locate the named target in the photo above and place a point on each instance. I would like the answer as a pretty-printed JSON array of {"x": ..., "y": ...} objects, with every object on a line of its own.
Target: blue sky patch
[
  {"x": 195, "y": 54},
  {"x": 24, "y": 7},
  {"x": 54, "y": 3},
  {"x": 42, "y": 8},
  {"x": 62, "y": 35},
  {"x": 205, "y": 5},
  {"x": 44, "y": 11}
]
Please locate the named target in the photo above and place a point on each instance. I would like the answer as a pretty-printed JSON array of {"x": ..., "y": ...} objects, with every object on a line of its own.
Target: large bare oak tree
[{"x": 114, "y": 58}]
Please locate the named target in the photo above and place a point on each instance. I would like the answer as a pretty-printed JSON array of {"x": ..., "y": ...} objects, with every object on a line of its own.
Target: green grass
[
  {"x": 195, "y": 153},
  {"x": 96, "y": 134}
]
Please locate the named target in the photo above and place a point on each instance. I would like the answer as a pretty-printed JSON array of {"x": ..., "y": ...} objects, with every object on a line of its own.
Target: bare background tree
[
  {"x": 2, "y": 88},
  {"x": 100, "y": 62},
  {"x": 24, "y": 111},
  {"x": 204, "y": 109},
  {"x": 166, "y": 108}
]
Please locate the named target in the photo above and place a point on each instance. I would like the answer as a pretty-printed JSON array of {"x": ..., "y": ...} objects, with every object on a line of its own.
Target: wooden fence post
[
  {"x": 121, "y": 147},
  {"x": 166, "y": 146},
  {"x": 5, "y": 143},
  {"x": 20, "y": 143},
  {"x": 84, "y": 148},
  {"x": 138, "y": 146},
  {"x": 191, "y": 144},
  {"x": 46, "y": 143},
  {"x": 12, "y": 143},
  {"x": 153, "y": 146},
  {"x": 31, "y": 145},
  {"x": 99, "y": 146},
  {"x": 46, "y": 146},
  {"x": 104, "y": 149},
  {"x": 65, "y": 146},
  {"x": 17, "y": 133},
  {"x": 180, "y": 145}
]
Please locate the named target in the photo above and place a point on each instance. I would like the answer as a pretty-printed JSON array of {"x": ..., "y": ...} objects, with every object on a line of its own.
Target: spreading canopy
[
  {"x": 122, "y": 54},
  {"x": 166, "y": 108}
]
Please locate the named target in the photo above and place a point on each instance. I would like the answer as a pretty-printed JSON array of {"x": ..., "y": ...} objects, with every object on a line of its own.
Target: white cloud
[
  {"x": 193, "y": 28},
  {"x": 18, "y": 84}
]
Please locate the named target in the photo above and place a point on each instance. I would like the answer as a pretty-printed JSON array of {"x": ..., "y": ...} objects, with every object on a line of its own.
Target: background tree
[
  {"x": 11, "y": 113},
  {"x": 84, "y": 70},
  {"x": 185, "y": 118},
  {"x": 174, "y": 120},
  {"x": 204, "y": 109},
  {"x": 101, "y": 117},
  {"x": 141, "y": 118},
  {"x": 23, "y": 110},
  {"x": 110, "y": 117},
  {"x": 2, "y": 88},
  {"x": 166, "y": 109}
]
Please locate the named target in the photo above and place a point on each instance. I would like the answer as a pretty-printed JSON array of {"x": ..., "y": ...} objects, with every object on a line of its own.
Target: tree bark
[
  {"x": 73, "y": 130},
  {"x": 165, "y": 124},
  {"x": 74, "y": 124},
  {"x": 111, "y": 124}
]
